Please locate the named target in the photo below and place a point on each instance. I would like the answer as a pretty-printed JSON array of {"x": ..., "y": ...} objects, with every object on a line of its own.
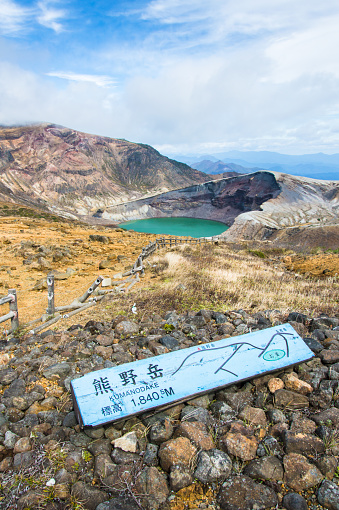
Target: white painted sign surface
[{"x": 114, "y": 393}]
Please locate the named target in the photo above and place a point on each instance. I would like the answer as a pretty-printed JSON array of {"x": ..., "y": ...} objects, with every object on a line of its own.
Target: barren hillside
[{"x": 75, "y": 173}]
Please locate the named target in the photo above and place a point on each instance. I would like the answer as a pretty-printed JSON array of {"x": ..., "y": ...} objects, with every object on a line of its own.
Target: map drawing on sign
[
  {"x": 272, "y": 355},
  {"x": 132, "y": 388}
]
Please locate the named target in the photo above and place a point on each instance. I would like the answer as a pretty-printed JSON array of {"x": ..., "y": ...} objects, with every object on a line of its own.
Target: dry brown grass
[{"x": 216, "y": 277}]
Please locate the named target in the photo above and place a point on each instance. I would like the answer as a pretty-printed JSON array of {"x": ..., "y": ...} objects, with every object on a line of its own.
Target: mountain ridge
[{"x": 75, "y": 173}]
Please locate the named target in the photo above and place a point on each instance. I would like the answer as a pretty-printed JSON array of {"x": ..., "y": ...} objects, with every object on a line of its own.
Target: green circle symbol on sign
[{"x": 274, "y": 355}]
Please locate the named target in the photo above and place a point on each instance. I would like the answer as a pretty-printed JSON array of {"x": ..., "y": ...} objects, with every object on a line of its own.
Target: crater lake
[{"x": 187, "y": 227}]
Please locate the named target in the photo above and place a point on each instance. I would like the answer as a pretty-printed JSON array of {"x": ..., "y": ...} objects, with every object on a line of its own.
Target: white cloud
[
  {"x": 208, "y": 76},
  {"x": 50, "y": 16},
  {"x": 239, "y": 15},
  {"x": 99, "y": 80},
  {"x": 13, "y": 17},
  {"x": 312, "y": 51},
  {"x": 222, "y": 24},
  {"x": 26, "y": 97}
]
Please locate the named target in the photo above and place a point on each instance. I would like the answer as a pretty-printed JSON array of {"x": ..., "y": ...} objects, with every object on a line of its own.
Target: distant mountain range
[{"x": 316, "y": 166}]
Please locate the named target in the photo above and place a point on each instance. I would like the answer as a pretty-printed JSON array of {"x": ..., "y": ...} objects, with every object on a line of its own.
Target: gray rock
[
  {"x": 127, "y": 328},
  {"x": 99, "y": 238},
  {"x": 330, "y": 415},
  {"x": 169, "y": 342},
  {"x": 59, "y": 370},
  {"x": 89, "y": 496},
  {"x": 150, "y": 420},
  {"x": 10, "y": 439},
  {"x": 94, "y": 432},
  {"x": 266, "y": 468},
  {"x": 122, "y": 503},
  {"x": 191, "y": 413},
  {"x": 7, "y": 376},
  {"x": 100, "y": 446},
  {"x": 121, "y": 457},
  {"x": 276, "y": 416},
  {"x": 151, "y": 455},
  {"x": 297, "y": 317},
  {"x": 328, "y": 495},
  {"x": 153, "y": 485},
  {"x": 222, "y": 411},
  {"x": 213, "y": 466},
  {"x": 313, "y": 344},
  {"x": 237, "y": 400},
  {"x": 103, "y": 506},
  {"x": 161, "y": 431},
  {"x": 104, "y": 466},
  {"x": 293, "y": 501},
  {"x": 17, "y": 388},
  {"x": 318, "y": 334},
  {"x": 290, "y": 400},
  {"x": 306, "y": 444},
  {"x": 180, "y": 476},
  {"x": 63, "y": 476},
  {"x": 70, "y": 420},
  {"x": 53, "y": 417},
  {"x": 23, "y": 460},
  {"x": 299, "y": 473},
  {"x": 198, "y": 320},
  {"x": 80, "y": 440},
  {"x": 269, "y": 446},
  {"x": 242, "y": 493},
  {"x": 31, "y": 499},
  {"x": 172, "y": 318},
  {"x": 327, "y": 465},
  {"x": 3, "y": 420},
  {"x": 219, "y": 317},
  {"x": 207, "y": 314}
]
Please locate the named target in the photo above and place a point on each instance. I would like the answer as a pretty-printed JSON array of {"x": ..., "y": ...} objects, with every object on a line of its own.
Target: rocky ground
[
  {"x": 30, "y": 248},
  {"x": 271, "y": 442}
]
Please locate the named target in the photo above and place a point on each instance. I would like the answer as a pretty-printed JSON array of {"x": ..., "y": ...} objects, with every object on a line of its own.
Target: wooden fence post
[
  {"x": 13, "y": 306},
  {"x": 50, "y": 291},
  {"x": 90, "y": 290}
]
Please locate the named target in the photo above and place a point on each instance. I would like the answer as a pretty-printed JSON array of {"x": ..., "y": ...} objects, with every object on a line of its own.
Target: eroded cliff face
[
  {"x": 304, "y": 203},
  {"x": 222, "y": 200},
  {"x": 76, "y": 173}
]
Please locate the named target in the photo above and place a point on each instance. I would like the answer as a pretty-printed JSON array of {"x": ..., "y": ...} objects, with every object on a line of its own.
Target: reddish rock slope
[{"x": 69, "y": 171}]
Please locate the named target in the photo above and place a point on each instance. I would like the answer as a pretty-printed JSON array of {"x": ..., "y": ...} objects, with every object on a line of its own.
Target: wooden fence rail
[
  {"x": 11, "y": 298},
  {"x": 162, "y": 242},
  {"x": 129, "y": 279}
]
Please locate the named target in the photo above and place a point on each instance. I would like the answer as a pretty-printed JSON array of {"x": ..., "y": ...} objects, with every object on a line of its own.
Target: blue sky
[{"x": 185, "y": 76}]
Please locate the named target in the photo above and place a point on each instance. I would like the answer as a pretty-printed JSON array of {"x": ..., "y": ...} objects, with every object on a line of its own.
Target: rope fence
[{"x": 124, "y": 284}]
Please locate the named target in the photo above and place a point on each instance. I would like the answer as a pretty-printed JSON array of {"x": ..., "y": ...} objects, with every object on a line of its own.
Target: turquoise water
[{"x": 191, "y": 227}]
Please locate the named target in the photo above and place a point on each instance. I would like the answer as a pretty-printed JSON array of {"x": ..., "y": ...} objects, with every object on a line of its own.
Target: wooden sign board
[{"x": 126, "y": 390}]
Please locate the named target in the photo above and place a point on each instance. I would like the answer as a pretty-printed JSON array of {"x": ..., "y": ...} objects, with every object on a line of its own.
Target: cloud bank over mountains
[{"x": 186, "y": 75}]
